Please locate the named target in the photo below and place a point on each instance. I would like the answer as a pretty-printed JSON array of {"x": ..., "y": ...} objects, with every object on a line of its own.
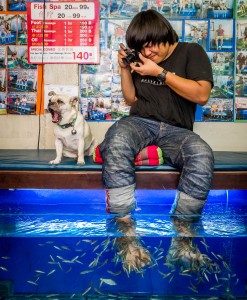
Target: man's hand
[
  {"x": 121, "y": 55},
  {"x": 147, "y": 67}
]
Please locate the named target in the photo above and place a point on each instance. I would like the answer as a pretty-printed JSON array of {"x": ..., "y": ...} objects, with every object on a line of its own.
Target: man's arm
[
  {"x": 194, "y": 91},
  {"x": 128, "y": 88}
]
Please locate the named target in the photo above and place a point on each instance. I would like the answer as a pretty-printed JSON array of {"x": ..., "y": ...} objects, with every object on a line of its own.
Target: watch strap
[{"x": 162, "y": 76}]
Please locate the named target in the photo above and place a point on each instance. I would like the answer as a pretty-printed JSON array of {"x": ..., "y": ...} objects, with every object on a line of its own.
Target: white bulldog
[{"x": 73, "y": 135}]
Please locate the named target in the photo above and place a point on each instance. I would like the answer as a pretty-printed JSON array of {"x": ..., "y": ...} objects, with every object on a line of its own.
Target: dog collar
[{"x": 67, "y": 125}]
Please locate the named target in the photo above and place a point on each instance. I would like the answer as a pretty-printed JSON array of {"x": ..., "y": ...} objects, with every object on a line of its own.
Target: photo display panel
[{"x": 63, "y": 32}]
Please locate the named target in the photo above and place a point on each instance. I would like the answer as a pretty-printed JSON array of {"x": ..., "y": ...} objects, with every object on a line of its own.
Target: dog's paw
[
  {"x": 80, "y": 162},
  {"x": 54, "y": 162}
]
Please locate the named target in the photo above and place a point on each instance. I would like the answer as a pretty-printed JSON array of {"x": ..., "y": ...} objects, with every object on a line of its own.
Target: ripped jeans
[{"x": 181, "y": 149}]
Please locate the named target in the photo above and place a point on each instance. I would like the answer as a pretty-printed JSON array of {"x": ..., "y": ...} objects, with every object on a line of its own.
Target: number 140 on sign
[{"x": 82, "y": 55}]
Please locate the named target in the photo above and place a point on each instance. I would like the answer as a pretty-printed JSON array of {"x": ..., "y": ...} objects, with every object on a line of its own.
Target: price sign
[{"x": 63, "y": 32}]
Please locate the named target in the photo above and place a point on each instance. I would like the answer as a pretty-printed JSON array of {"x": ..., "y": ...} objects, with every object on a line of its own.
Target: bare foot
[{"x": 133, "y": 255}]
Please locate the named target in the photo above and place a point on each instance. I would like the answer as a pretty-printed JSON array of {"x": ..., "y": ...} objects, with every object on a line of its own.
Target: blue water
[{"x": 61, "y": 244}]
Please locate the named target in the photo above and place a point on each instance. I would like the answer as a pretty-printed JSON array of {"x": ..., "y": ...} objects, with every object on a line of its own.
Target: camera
[{"x": 132, "y": 56}]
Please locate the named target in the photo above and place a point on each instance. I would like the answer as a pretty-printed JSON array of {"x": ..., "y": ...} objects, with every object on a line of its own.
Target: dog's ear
[
  {"x": 51, "y": 93},
  {"x": 74, "y": 101}
]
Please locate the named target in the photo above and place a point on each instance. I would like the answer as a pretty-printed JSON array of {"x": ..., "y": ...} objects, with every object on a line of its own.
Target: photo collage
[
  {"x": 218, "y": 26},
  {"x": 18, "y": 79}
]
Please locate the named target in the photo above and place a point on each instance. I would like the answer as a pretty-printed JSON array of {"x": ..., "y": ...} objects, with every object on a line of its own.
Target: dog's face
[{"x": 60, "y": 104}]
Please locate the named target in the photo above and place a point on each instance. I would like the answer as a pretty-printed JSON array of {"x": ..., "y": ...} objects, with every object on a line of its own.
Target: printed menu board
[{"x": 63, "y": 32}]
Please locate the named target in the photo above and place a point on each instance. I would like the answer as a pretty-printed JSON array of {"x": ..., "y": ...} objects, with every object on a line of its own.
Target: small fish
[
  {"x": 52, "y": 258},
  {"x": 156, "y": 250},
  {"x": 185, "y": 274},
  {"x": 159, "y": 257},
  {"x": 52, "y": 262},
  {"x": 87, "y": 241},
  {"x": 79, "y": 262},
  {"x": 166, "y": 275},
  {"x": 60, "y": 266},
  {"x": 206, "y": 276},
  {"x": 66, "y": 248},
  {"x": 186, "y": 271},
  {"x": 68, "y": 261},
  {"x": 60, "y": 257},
  {"x": 86, "y": 272},
  {"x": 69, "y": 270},
  {"x": 214, "y": 255},
  {"x": 98, "y": 291},
  {"x": 193, "y": 289},
  {"x": 56, "y": 247},
  {"x": 94, "y": 262},
  {"x": 205, "y": 245},
  {"x": 103, "y": 263},
  {"x": 220, "y": 257},
  {"x": 226, "y": 266},
  {"x": 114, "y": 273},
  {"x": 216, "y": 287},
  {"x": 40, "y": 271},
  {"x": 169, "y": 265},
  {"x": 170, "y": 280},
  {"x": 107, "y": 281},
  {"x": 224, "y": 278},
  {"x": 51, "y": 272},
  {"x": 75, "y": 258},
  {"x": 3, "y": 268},
  {"x": 32, "y": 282},
  {"x": 5, "y": 257},
  {"x": 86, "y": 291},
  {"x": 95, "y": 248}
]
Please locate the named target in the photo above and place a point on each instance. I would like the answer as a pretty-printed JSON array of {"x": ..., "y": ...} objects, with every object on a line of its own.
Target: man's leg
[
  {"x": 196, "y": 177},
  {"x": 123, "y": 141},
  {"x": 186, "y": 151}
]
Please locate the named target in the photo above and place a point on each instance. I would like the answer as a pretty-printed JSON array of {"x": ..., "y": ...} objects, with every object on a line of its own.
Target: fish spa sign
[{"x": 63, "y": 32}]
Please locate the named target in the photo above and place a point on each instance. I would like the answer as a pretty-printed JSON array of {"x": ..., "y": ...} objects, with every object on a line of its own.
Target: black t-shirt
[{"x": 158, "y": 102}]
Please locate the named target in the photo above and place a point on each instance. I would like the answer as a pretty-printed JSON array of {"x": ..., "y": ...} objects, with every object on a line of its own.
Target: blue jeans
[{"x": 181, "y": 149}]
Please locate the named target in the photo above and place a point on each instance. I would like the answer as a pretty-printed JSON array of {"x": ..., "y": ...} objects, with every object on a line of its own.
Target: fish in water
[{"x": 107, "y": 281}]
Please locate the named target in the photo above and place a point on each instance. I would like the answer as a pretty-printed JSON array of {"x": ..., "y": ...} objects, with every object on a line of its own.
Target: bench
[{"x": 29, "y": 169}]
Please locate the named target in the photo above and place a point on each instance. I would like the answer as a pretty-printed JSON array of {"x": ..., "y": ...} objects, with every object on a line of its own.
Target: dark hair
[{"x": 149, "y": 27}]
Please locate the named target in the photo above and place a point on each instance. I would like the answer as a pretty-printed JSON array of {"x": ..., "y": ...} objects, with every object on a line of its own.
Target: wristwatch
[{"x": 162, "y": 76}]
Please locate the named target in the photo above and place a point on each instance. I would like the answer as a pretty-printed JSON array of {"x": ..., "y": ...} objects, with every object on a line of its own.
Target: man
[
  {"x": 219, "y": 37},
  {"x": 163, "y": 91}
]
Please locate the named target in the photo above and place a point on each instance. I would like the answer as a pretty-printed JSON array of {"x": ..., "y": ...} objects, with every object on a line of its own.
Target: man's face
[{"x": 155, "y": 52}]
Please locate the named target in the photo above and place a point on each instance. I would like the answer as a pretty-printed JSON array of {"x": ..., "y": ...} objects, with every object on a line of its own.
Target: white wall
[{"x": 22, "y": 132}]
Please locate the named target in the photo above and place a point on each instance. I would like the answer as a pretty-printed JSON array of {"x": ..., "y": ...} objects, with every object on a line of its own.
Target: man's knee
[{"x": 199, "y": 151}]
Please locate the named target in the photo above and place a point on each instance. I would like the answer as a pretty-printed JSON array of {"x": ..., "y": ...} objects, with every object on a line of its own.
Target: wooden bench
[{"x": 30, "y": 169}]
